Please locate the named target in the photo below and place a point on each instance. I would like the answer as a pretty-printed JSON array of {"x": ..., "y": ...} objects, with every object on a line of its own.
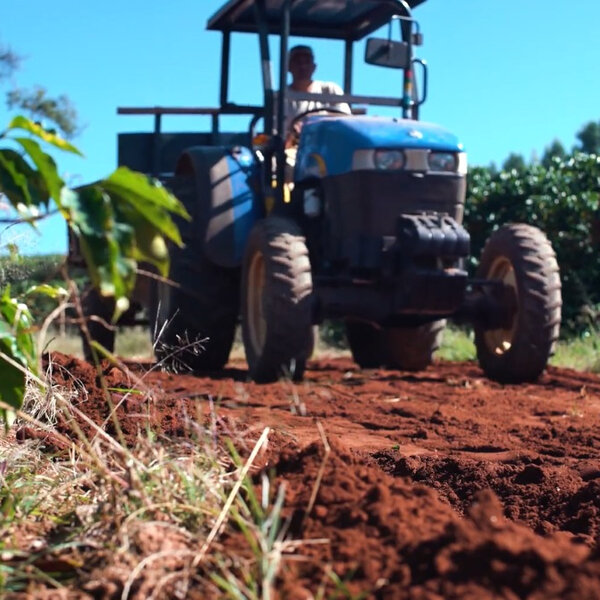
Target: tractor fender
[{"x": 217, "y": 187}]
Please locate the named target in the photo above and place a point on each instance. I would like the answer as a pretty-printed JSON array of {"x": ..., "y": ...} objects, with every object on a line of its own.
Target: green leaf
[
  {"x": 16, "y": 342},
  {"x": 12, "y": 390},
  {"x": 45, "y": 289},
  {"x": 151, "y": 190},
  {"x": 107, "y": 244},
  {"x": 150, "y": 245},
  {"x": 89, "y": 214},
  {"x": 13, "y": 182},
  {"x": 16, "y": 322},
  {"x": 148, "y": 197},
  {"x": 122, "y": 220},
  {"x": 111, "y": 272},
  {"x": 21, "y": 122},
  {"x": 88, "y": 211},
  {"x": 20, "y": 182},
  {"x": 45, "y": 165}
]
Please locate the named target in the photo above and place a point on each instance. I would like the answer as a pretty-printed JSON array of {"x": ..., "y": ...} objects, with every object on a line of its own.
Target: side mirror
[{"x": 387, "y": 53}]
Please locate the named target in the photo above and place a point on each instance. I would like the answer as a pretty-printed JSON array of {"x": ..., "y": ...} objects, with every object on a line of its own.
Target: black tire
[
  {"x": 277, "y": 301},
  {"x": 523, "y": 258},
  {"x": 97, "y": 311},
  {"x": 412, "y": 348},
  {"x": 365, "y": 341},
  {"x": 193, "y": 320},
  {"x": 403, "y": 348}
]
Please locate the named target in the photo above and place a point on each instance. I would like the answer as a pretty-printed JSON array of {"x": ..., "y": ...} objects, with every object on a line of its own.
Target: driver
[{"x": 301, "y": 65}]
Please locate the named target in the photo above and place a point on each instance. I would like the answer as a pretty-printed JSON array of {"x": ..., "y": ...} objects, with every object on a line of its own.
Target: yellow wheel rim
[
  {"x": 257, "y": 326},
  {"x": 499, "y": 341}
]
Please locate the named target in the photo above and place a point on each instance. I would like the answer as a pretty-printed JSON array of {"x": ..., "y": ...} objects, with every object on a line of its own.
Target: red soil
[{"x": 439, "y": 484}]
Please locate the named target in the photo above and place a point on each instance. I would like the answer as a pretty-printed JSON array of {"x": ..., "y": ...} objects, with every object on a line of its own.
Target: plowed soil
[{"x": 437, "y": 484}]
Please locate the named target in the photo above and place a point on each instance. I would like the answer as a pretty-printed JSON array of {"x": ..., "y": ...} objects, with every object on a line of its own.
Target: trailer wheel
[
  {"x": 276, "y": 301},
  {"x": 193, "y": 318},
  {"x": 412, "y": 348},
  {"x": 522, "y": 258},
  {"x": 404, "y": 348},
  {"x": 97, "y": 310}
]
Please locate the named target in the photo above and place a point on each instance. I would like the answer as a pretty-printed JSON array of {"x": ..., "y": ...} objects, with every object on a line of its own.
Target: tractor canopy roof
[{"x": 335, "y": 19}]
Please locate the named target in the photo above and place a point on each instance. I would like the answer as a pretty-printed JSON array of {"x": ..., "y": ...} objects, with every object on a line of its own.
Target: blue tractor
[{"x": 368, "y": 230}]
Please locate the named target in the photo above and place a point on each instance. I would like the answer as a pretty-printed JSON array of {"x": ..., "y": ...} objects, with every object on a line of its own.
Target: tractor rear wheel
[
  {"x": 403, "y": 348},
  {"x": 522, "y": 258},
  {"x": 277, "y": 301},
  {"x": 193, "y": 319}
]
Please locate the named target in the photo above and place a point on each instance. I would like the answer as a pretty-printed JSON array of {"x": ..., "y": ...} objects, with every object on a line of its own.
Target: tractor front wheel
[
  {"x": 521, "y": 257},
  {"x": 276, "y": 301}
]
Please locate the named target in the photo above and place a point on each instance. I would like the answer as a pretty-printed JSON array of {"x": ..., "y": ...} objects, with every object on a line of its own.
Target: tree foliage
[
  {"x": 589, "y": 138},
  {"x": 514, "y": 162},
  {"x": 39, "y": 105},
  {"x": 9, "y": 62},
  {"x": 119, "y": 221},
  {"x": 554, "y": 151},
  {"x": 36, "y": 103}
]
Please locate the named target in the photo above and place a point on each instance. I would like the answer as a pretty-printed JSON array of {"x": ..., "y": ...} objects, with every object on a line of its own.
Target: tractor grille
[{"x": 365, "y": 205}]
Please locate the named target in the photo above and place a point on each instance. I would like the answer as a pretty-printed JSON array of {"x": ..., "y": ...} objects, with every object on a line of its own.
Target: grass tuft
[
  {"x": 142, "y": 520},
  {"x": 457, "y": 344},
  {"x": 580, "y": 353}
]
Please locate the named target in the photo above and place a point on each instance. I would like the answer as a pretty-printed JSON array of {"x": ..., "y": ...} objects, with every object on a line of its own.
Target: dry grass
[{"x": 142, "y": 521}]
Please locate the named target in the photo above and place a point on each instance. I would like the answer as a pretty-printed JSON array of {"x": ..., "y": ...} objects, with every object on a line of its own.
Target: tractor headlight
[
  {"x": 389, "y": 160},
  {"x": 443, "y": 162}
]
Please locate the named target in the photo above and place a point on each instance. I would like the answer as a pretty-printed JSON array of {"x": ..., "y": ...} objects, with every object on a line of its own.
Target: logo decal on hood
[{"x": 414, "y": 133}]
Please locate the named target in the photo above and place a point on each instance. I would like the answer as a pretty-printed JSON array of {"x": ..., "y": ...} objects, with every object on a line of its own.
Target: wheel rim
[
  {"x": 257, "y": 326},
  {"x": 499, "y": 341}
]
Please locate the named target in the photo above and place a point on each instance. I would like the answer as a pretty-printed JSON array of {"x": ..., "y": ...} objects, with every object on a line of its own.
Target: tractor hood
[{"x": 334, "y": 139}]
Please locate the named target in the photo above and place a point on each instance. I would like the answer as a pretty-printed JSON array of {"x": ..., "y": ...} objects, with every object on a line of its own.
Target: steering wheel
[{"x": 312, "y": 111}]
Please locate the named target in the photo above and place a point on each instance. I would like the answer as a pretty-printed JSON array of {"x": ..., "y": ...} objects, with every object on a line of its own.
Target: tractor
[{"x": 368, "y": 229}]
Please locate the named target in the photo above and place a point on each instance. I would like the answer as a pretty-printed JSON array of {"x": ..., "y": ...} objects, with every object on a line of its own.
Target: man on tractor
[{"x": 301, "y": 65}]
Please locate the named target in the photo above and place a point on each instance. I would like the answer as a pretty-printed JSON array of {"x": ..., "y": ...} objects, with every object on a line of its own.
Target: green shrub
[
  {"x": 562, "y": 201},
  {"x": 23, "y": 272}
]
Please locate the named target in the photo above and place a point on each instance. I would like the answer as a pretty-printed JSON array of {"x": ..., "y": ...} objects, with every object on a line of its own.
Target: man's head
[{"x": 301, "y": 63}]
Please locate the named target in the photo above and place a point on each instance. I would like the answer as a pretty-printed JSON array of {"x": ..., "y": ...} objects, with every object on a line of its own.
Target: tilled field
[{"x": 439, "y": 484}]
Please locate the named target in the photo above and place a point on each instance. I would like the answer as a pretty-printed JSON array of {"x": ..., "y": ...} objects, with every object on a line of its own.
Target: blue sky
[{"x": 505, "y": 77}]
